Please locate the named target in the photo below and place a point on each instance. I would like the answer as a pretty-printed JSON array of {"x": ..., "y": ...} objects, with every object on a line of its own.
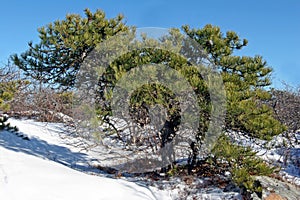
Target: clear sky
[{"x": 272, "y": 27}]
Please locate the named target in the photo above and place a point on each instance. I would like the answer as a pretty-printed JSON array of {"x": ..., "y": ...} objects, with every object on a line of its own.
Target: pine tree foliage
[
  {"x": 243, "y": 163},
  {"x": 10, "y": 84},
  {"x": 244, "y": 78},
  {"x": 154, "y": 93},
  {"x": 64, "y": 44},
  {"x": 6, "y": 95},
  {"x": 7, "y": 90}
]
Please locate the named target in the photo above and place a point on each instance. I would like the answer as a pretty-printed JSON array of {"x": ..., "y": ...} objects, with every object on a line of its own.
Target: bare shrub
[
  {"x": 286, "y": 105},
  {"x": 22, "y": 96},
  {"x": 42, "y": 103}
]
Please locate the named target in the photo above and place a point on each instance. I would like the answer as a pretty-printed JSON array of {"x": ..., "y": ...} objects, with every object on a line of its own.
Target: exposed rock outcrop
[{"x": 274, "y": 189}]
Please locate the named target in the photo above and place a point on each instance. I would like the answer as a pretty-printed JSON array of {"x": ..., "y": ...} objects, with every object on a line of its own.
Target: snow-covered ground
[
  {"x": 46, "y": 162},
  {"x": 39, "y": 168}
]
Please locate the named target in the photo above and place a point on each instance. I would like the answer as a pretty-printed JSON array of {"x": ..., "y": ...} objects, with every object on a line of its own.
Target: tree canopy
[
  {"x": 245, "y": 79},
  {"x": 64, "y": 44}
]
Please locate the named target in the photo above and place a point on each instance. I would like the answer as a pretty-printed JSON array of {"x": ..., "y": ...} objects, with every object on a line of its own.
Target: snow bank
[
  {"x": 27, "y": 177},
  {"x": 39, "y": 168}
]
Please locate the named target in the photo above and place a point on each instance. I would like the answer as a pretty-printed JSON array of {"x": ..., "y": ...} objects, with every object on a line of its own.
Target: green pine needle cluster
[
  {"x": 7, "y": 91},
  {"x": 245, "y": 79},
  {"x": 64, "y": 44},
  {"x": 243, "y": 163}
]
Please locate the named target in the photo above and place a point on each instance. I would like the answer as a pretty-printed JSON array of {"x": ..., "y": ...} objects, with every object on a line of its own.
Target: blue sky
[{"x": 272, "y": 27}]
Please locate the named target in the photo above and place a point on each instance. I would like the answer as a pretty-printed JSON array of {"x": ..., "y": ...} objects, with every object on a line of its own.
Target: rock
[
  {"x": 274, "y": 189},
  {"x": 274, "y": 196}
]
